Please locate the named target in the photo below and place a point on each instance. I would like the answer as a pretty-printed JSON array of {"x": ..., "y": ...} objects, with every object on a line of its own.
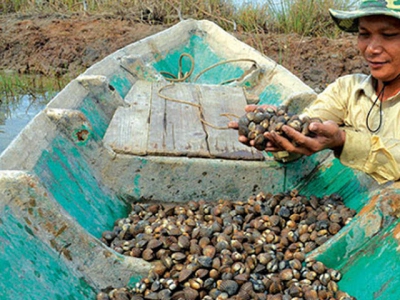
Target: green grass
[{"x": 13, "y": 86}]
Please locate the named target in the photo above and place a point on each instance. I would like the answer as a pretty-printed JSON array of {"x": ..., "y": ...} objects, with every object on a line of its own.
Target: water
[{"x": 16, "y": 114}]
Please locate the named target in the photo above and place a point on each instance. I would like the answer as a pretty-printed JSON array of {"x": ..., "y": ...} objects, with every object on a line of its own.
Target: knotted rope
[{"x": 182, "y": 77}]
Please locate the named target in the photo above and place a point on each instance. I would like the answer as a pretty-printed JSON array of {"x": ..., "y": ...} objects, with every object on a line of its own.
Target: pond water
[{"x": 16, "y": 114}]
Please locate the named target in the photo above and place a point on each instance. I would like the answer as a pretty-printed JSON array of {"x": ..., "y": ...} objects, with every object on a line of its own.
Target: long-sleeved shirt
[{"x": 347, "y": 101}]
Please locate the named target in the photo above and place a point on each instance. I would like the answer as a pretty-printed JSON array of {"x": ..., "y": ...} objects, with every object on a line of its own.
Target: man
[{"x": 361, "y": 113}]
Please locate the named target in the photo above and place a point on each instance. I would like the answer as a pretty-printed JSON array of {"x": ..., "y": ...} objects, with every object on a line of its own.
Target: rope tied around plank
[
  {"x": 200, "y": 108},
  {"x": 183, "y": 77}
]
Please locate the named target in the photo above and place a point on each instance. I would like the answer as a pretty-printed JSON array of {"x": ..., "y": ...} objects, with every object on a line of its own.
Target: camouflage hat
[{"x": 348, "y": 20}]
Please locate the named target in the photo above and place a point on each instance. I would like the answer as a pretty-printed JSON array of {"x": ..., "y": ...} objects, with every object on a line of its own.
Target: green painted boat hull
[{"x": 61, "y": 186}]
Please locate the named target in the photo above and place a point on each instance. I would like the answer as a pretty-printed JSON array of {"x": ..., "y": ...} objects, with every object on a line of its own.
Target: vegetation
[
  {"x": 13, "y": 87},
  {"x": 305, "y": 17}
]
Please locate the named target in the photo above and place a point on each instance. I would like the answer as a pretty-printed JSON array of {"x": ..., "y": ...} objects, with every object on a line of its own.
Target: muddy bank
[{"x": 60, "y": 45}]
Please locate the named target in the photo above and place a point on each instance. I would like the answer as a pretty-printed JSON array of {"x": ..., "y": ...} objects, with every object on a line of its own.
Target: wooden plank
[
  {"x": 165, "y": 119},
  {"x": 140, "y": 94},
  {"x": 175, "y": 127},
  {"x": 128, "y": 130},
  {"x": 217, "y": 100}
]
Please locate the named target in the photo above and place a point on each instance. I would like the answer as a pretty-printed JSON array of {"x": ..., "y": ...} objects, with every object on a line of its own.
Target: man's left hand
[{"x": 328, "y": 135}]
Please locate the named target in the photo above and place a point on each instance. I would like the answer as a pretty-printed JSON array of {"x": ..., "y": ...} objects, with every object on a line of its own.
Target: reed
[
  {"x": 252, "y": 18},
  {"x": 13, "y": 86},
  {"x": 306, "y": 17}
]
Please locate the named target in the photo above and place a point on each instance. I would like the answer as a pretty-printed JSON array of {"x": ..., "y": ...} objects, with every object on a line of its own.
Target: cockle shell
[{"x": 251, "y": 249}]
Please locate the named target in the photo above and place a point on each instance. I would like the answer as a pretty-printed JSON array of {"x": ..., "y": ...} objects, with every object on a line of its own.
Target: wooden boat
[{"x": 122, "y": 132}]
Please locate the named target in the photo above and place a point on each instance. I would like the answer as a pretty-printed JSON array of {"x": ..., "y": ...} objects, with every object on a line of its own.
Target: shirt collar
[{"x": 366, "y": 86}]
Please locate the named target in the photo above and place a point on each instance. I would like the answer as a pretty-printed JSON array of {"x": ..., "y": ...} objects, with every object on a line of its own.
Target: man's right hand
[{"x": 235, "y": 125}]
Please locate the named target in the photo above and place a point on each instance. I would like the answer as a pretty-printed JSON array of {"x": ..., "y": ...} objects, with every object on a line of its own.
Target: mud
[{"x": 65, "y": 45}]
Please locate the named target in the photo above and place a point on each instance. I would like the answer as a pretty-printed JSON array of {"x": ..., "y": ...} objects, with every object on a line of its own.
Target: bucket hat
[{"x": 348, "y": 20}]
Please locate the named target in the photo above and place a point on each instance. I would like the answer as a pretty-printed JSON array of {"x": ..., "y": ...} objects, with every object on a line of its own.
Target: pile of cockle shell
[
  {"x": 254, "y": 124},
  {"x": 254, "y": 249}
]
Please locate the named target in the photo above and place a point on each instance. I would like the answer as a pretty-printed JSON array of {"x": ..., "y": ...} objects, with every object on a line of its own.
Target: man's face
[{"x": 379, "y": 43}]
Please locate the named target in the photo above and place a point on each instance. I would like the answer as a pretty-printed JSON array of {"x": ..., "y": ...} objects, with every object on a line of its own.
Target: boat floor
[{"x": 179, "y": 119}]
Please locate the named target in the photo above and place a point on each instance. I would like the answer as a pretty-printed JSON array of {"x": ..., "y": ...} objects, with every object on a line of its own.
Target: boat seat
[{"x": 181, "y": 119}]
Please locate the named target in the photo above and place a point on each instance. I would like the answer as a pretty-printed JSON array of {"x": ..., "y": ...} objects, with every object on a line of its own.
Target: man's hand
[
  {"x": 235, "y": 125},
  {"x": 247, "y": 108},
  {"x": 328, "y": 135}
]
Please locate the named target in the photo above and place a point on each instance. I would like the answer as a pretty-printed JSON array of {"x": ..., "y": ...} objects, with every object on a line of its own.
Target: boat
[{"x": 147, "y": 123}]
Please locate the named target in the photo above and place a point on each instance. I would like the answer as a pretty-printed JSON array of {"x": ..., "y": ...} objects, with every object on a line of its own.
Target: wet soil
[{"x": 65, "y": 45}]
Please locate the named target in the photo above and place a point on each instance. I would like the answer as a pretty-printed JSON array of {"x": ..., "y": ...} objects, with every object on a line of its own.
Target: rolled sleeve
[{"x": 356, "y": 149}]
